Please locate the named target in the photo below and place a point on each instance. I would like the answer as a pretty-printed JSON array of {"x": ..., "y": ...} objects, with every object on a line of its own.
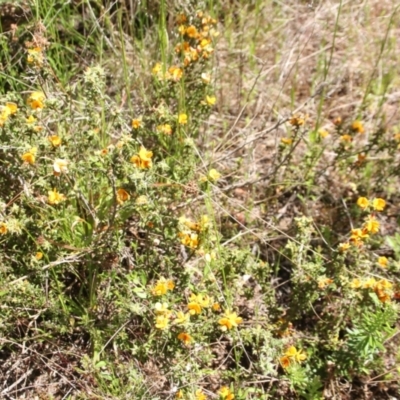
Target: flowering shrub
[{"x": 139, "y": 260}]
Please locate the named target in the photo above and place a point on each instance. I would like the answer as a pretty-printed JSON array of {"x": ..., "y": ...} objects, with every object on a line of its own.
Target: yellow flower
[
  {"x": 36, "y": 100},
  {"x": 211, "y": 100},
  {"x": 287, "y": 141},
  {"x": 200, "y": 395},
  {"x": 179, "y": 394},
  {"x": 229, "y": 321},
  {"x": 156, "y": 69},
  {"x": 383, "y": 262},
  {"x": 182, "y": 119},
  {"x": 363, "y": 202},
  {"x": 355, "y": 284},
  {"x": 358, "y": 234},
  {"x": 298, "y": 356},
  {"x": 3, "y": 228},
  {"x": 162, "y": 309},
  {"x": 225, "y": 393},
  {"x": 285, "y": 361},
  {"x": 213, "y": 175},
  {"x": 35, "y": 56},
  {"x": 137, "y": 123},
  {"x": 31, "y": 119},
  {"x": 346, "y": 138},
  {"x": 10, "y": 109},
  {"x": 182, "y": 29},
  {"x": 206, "y": 78},
  {"x": 324, "y": 282},
  {"x": 357, "y": 126},
  {"x": 142, "y": 159},
  {"x": 122, "y": 196},
  {"x": 343, "y": 247},
  {"x": 372, "y": 225},
  {"x": 141, "y": 200},
  {"x": 54, "y": 197},
  {"x": 378, "y": 204},
  {"x": 194, "y": 308},
  {"x": 29, "y": 157},
  {"x": 323, "y": 133},
  {"x": 162, "y": 286},
  {"x": 189, "y": 239},
  {"x": 369, "y": 283},
  {"x": 185, "y": 337},
  {"x": 181, "y": 318},
  {"x": 165, "y": 128},
  {"x": 39, "y": 255},
  {"x": 216, "y": 307},
  {"x": 54, "y": 140},
  {"x": 60, "y": 166},
  {"x": 162, "y": 322}
]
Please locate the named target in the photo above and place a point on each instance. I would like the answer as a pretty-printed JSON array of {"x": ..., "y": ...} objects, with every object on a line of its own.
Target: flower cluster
[
  {"x": 371, "y": 224},
  {"x": 197, "y": 38},
  {"x": 7, "y": 110},
  {"x": 162, "y": 287},
  {"x": 382, "y": 287},
  {"x": 292, "y": 355},
  {"x": 143, "y": 159}
]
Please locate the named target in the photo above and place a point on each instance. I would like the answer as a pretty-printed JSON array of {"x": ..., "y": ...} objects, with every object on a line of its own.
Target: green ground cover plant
[{"x": 199, "y": 200}]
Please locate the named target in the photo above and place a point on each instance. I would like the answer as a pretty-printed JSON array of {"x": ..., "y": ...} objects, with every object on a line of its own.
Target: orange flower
[
  {"x": 185, "y": 337},
  {"x": 122, "y": 196},
  {"x": 191, "y": 31},
  {"x": 358, "y": 127},
  {"x": 285, "y": 361},
  {"x": 297, "y": 121},
  {"x": 3, "y": 228}
]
